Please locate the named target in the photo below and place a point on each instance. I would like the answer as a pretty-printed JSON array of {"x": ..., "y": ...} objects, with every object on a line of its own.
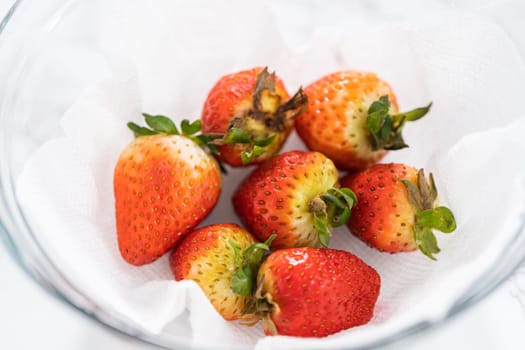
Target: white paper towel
[{"x": 165, "y": 58}]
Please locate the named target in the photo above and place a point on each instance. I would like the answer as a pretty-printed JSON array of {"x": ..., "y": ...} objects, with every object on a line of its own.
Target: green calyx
[
  {"x": 428, "y": 216},
  {"x": 385, "y": 128},
  {"x": 160, "y": 124},
  {"x": 331, "y": 209},
  {"x": 256, "y": 146},
  {"x": 259, "y": 127},
  {"x": 248, "y": 262},
  {"x": 260, "y": 308}
]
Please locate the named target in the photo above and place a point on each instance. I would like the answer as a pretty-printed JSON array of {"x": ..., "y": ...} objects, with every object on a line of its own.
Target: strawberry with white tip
[
  {"x": 352, "y": 117},
  {"x": 296, "y": 196},
  {"x": 223, "y": 259},
  {"x": 165, "y": 184}
]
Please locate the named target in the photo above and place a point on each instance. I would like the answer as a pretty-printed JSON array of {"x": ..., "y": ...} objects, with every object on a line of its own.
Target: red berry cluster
[{"x": 280, "y": 269}]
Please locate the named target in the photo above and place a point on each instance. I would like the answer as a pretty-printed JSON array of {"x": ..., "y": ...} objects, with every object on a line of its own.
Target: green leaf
[
  {"x": 242, "y": 281},
  {"x": 207, "y": 139},
  {"x": 385, "y": 129},
  {"x": 264, "y": 141},
  {"x": 440, "y": 218},
  {"x": 340, "y": 218},
  {"x": 235, "y": 136},
  {"x": 257, "y": 151},
  {"x": 246, "y": 158},
  {"x": 161, "y": 124},
  {"x": 422, "y": 195},
  {"x": 324, "y": 239},
  {"x": 190, "y": 128},
  {"x": 269, "y": 241},
  {"x": 379, "y": 123},
  {"x": 213, "y": 149},
  {"x": 375, "y": 121},
  {"x": 243, "y": 278},
  {"x": 395, "y": 143},
  {"x": 348, "y": 195},
  {"x": 330, "y": 198},
  {"x": 254, "y": 253},
  {"x": 426, "y": 242},
  {"x": 433, "y": 189},
  {"x": 414, "y": 114},
  {"x": 139, "y": 130},
  {"x": 322, "y": 229},
  {"x": 381, "y": 105},
  {"x": 414, "y": 195},
  {"x": 339, "y": 203}
]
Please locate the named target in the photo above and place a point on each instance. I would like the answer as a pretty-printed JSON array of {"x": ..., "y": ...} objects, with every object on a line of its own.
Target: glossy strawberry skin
[
  {"x": 383, "y": 217},
  {"x": 335, "y": 120},
  {"x": 317, "y": 292},
  {"x": 232, "y": 96},
  {"x": 164, "y": 186},
  {"x": 275, "y": 197},
  {"x": 207, "y": 257}
]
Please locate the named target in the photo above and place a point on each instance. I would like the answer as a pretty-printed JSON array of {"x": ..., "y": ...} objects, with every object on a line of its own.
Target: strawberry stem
[
  {"x": 385, "y": 129},
  {"x": 440, "y": 218},
  {"x": 260, "y": 307},
  {"x": 331, "y": 209},
  {"x": 423, "y": 197},
  {"x": 259, "y": 127},
  {"x": 297, "y": 105},
  {"x": 244, "y": 276},
  {"x": 269, "y": 325}
]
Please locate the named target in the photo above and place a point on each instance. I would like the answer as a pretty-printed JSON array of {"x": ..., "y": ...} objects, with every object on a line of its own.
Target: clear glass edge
[{"x": 477, "y": 292}]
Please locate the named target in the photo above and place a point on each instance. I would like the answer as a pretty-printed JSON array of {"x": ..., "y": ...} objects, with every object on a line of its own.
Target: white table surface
[{"x": 30, "y": 318}]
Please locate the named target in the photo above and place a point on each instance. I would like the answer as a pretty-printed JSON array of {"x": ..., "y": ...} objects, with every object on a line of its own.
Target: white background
[{"x": 29, "y": 318}]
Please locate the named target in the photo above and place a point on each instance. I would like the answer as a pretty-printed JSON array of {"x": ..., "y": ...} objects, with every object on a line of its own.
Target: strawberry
[
  {"x": 310, "y": 292},
  {"x": 352, "y": 117},
  {"x": 253, "y": 112},
  {"x": 223, "y": 260},
  {"x": 295, "y": 196},
  {"x": 397, "y": 209},
  {"x": 164, "y": 184}
]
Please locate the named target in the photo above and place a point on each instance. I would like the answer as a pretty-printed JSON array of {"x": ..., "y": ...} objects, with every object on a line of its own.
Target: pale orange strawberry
[
  {"x": 296, "y": 196},
  {"x": 352, "y": 118},
  {"x": 164, "y": 184}
]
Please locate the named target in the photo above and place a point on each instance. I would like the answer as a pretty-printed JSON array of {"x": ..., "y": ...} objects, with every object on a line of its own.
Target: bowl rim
[{"x": 48, "y": 276}]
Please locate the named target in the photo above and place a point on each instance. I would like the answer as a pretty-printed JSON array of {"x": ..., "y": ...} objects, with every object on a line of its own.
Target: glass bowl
[{"x": 50, "y": 52}]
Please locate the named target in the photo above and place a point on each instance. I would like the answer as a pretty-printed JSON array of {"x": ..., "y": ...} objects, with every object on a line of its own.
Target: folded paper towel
[{"x": 470, "y": 141}]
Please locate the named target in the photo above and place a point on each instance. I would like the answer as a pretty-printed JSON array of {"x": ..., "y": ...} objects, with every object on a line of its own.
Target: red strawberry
[
  {"x": 295, "y": 196},
  {"x": 164, "y": 184},
  {"x": 309, "y": 292},
  {"x": 253, "y": 111},
  {"x": 348, "y": 119},
  {"x": 223, "y": 259},
  {"x": 396, "y": 209}
]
